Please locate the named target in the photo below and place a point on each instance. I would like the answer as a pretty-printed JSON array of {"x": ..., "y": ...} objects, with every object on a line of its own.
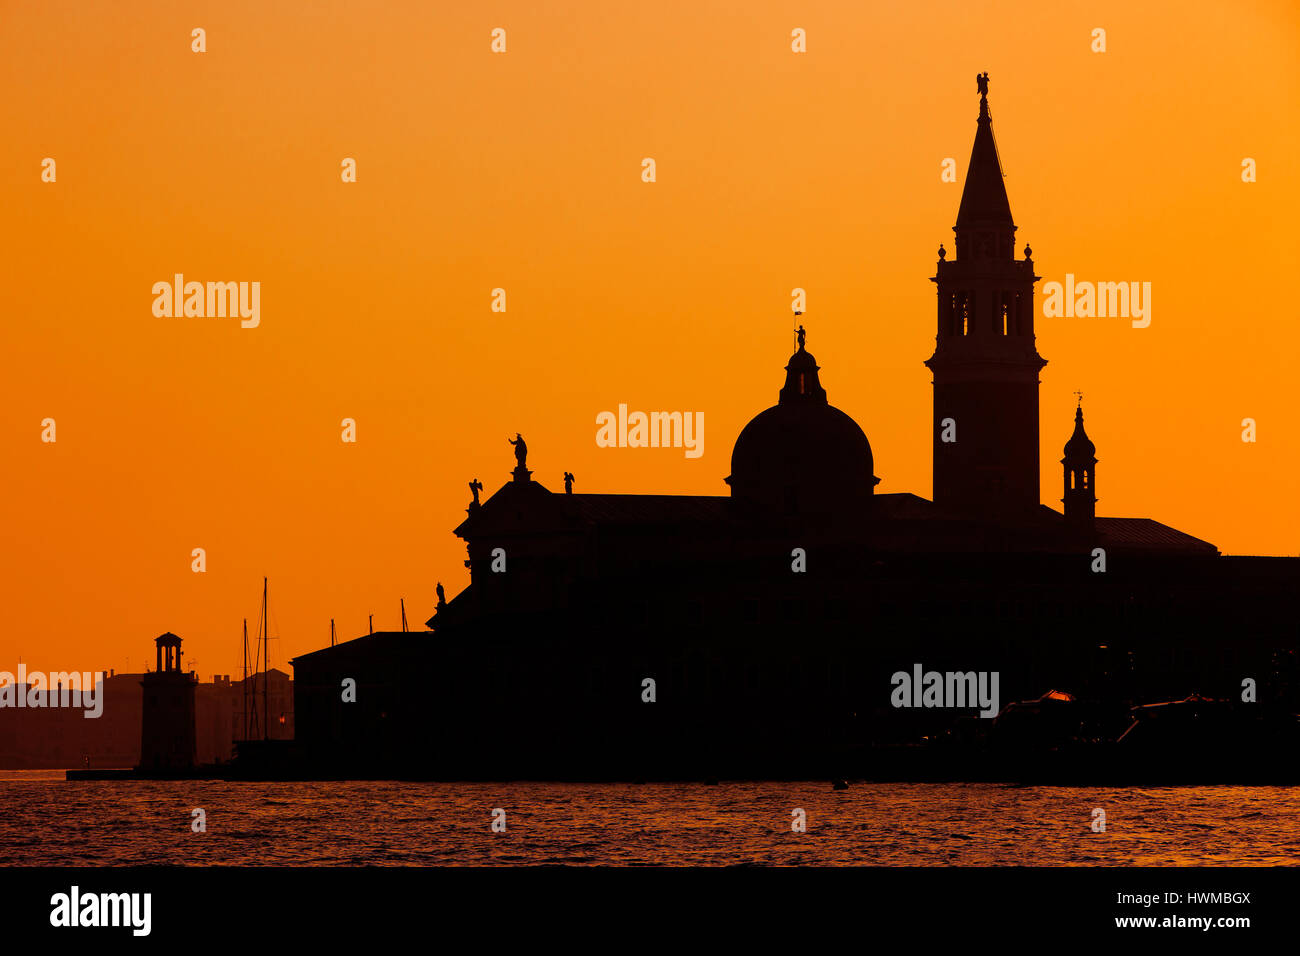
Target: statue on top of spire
[
  {"x": 800, "y": 333},
  {"x": 982, "y": 83}
]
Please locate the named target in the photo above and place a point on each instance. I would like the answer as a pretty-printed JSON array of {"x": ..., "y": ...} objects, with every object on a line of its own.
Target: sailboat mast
[
  {"x": 244, "y": 683},
  {"x": 266, "y": 672}
]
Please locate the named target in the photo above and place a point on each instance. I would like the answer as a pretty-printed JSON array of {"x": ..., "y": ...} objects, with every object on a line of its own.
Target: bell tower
[
  {"x": 985, "y": 363},
  {"x": 1080, "y": 477}
]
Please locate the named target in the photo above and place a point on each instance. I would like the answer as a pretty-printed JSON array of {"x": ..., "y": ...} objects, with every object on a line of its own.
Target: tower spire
[{"x": 984, "y": 227}]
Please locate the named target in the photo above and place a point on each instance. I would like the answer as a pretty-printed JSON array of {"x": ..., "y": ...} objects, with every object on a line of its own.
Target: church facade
[{"x": 608, "y": 636}]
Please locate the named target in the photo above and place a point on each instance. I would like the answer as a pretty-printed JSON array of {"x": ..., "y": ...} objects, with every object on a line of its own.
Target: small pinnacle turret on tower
[{"x": 1080, "y": 476}]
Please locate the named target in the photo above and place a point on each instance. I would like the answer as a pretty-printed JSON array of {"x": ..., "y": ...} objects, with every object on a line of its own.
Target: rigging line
[
  {"x": 277, "y": 629},
  {"x": 996, "y": 152},
  {"x": 265, "y": 635}
]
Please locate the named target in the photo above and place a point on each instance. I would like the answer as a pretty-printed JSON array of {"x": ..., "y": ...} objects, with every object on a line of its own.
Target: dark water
[{"x": 46, "y": 820}]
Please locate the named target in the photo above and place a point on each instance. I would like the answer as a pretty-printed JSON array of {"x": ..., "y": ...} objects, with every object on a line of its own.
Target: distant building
[
  {"x": 269, "y": 709},
  {"x": 113, "y": 740},
  {"x": 215, "y": 716},
  {"x": 62, "y": 738},
  {"x": 232, "y": 710}
]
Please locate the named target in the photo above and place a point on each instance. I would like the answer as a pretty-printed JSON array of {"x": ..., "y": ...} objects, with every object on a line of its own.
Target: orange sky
[{"x": 522, "y": 171}]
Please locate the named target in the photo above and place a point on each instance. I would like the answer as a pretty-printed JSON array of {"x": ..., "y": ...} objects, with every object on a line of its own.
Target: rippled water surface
[{"x": 46, "y": 820}]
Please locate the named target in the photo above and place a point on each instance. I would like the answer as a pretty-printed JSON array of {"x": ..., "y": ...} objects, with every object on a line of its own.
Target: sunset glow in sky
[{"x": 522, "y": 171}]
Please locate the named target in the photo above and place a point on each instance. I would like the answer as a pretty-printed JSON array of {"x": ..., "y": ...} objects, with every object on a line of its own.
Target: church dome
[{"x": 802, "y": 454}]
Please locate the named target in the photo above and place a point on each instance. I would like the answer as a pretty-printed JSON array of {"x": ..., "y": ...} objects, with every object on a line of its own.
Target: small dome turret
[{"x": 1080, "y": 476}]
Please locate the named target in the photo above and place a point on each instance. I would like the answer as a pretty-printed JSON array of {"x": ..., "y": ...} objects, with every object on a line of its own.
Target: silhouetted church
[{"x": 754, "y": 633}]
